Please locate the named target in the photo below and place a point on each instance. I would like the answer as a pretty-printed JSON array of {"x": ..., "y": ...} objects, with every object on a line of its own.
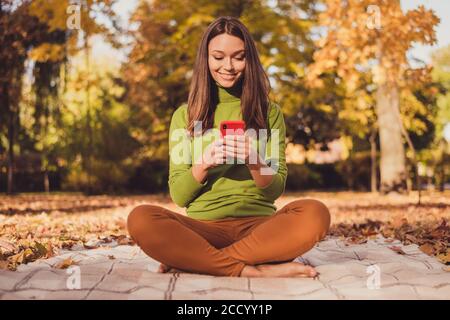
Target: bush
[
  {"x": 313, "y": 176},
  {"x": 150, "y": 176},
  {"x": 353, "y": 173}
]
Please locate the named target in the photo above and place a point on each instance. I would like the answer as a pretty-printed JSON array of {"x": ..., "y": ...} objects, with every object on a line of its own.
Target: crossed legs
[{"x": 207, "y": 247}]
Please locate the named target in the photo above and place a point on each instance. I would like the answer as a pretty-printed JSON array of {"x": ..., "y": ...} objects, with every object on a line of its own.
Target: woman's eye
[{"x": 238, "y": 58}]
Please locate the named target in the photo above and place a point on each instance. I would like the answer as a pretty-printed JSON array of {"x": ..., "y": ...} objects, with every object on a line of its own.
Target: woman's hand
[
  {"x": 240, "y": 147},
  {"x": 215, "y": 154},
  {"x": 212, "y": 156},
  {"x": 235, "y": 147}
]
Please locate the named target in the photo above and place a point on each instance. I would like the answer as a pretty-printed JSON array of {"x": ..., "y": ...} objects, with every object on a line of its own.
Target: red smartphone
[{"x": 232, "y": 127}]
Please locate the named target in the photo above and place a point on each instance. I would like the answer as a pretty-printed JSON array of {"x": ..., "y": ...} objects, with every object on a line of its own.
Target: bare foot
[
  {"x": 287, "y": 269},
  {"x": 164, "y": 269}
]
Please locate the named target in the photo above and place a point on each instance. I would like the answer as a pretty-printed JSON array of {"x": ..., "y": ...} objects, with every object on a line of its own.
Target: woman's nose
[{"x": 228, "y": 64}]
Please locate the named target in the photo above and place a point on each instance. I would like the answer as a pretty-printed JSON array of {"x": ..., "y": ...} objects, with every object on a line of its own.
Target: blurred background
[{"x": 88, "y": 88}]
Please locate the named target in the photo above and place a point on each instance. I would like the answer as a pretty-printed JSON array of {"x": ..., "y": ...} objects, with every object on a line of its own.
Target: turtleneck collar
[{"x": 232, "y": 94}]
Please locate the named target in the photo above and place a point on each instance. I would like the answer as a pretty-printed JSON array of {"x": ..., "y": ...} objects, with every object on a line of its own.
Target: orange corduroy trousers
[{"x": 223, "y": 247}]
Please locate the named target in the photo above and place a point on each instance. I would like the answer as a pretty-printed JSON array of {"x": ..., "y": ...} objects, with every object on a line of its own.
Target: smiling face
[{"x": 226, "y": 59}]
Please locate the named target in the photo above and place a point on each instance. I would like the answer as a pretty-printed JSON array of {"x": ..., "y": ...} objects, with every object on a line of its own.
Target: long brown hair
[{"x": 203, "y": 96}]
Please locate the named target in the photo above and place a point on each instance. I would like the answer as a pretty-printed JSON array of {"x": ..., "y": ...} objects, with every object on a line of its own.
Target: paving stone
[
  {"x": 322, "y": 294},
  {"x": 400, "y": 292},
  {"x": 107, "y": 295},
  {"x": 212, "y": 293},
  {"x": 189, "y": 283},
  {"x": 333, "y": 271},
  {"x": 122, "y": 284},
  {"x": 39, "y": 264},
  {"x": 293, "y": 286},
  {"x": 35, "y": 294},
  {"x": 46, "y": 279},
  {"x": 9, "y": 279},
  {"x": 417, "y": 278},
  {"x": 437, "y": 292},
  {"x": 58, "y": 280},
  {"x": 352, "y": 281},
  {"x": 95, "y": 268},
  {"x": 147, "y": 294}
]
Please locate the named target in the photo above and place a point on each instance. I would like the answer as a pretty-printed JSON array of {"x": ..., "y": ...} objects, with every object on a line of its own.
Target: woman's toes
[
  {"x": 312, "y": 272},
  {"x": 163, "y": 268},
  {"x": 168, "y": 269},
  {"x": 306, "y": 271}
]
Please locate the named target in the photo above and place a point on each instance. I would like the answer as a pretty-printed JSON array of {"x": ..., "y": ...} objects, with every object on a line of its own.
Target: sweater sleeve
[
  {"x": 276, "y": 159},
  {"x": 183, "y": 187}
]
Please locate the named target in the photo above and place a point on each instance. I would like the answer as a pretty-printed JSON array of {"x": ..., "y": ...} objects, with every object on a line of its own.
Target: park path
[{"x": 370, "y": 270}]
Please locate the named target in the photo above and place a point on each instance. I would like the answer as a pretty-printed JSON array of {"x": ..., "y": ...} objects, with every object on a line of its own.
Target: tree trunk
[
  {"x": 46, "y": 182},
  {"x": 10, "y": 118},
  {"x": 11, "y": 133},
  {"x": 373, "y": 161},
  {"x": 441, "y": 166},
  {"x": 88, "y": 115},
  {"x": 45, "y": 155},
  {"x": 392, "y": 160}
]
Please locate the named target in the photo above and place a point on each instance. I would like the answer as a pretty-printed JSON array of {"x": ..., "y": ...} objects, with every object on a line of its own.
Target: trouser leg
[
  {"x": 182, "y": 242},
  {"x": 290, "y": 232}
]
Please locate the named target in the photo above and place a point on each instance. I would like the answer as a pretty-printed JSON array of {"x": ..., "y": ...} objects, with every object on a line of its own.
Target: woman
[{"x": 232, "y": 227}]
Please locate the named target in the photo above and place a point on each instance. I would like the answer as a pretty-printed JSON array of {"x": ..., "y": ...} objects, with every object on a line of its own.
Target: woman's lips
[{"x": 227, "y": 76}]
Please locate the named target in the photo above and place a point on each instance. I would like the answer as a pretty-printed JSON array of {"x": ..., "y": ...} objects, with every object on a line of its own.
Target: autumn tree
[
  {"x": 437, "y": 156},
  {"x": 58, "y": 15},
  {"x": 39, "y": 31},
  {"x": 374, "y": 36},
  {"x": 113, "y": 146},
  {"x": 19, "y": 32}
]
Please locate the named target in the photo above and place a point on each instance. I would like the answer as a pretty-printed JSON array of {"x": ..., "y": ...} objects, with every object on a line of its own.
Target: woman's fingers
[
  {"x": 236, "y": 147},
  {"x": 233, "y": 151},
  {"x": 224, "y": 156},
  {"x": 235, "y": 140}
]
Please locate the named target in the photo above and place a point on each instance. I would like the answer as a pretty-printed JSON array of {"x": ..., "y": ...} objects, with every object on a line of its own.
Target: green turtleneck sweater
[{"x": 229, "y": 190}]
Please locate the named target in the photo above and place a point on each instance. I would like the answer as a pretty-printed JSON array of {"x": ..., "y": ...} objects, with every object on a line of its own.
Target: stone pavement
[{"x": 365, "y": 271}]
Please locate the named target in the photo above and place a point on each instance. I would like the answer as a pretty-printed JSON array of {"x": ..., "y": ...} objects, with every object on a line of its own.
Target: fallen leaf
[
  {"x": 356, "y": 240},
  {"x": 427, "y": 248},
  {"x": 41, "y": 250},
  {"x": 445, "y": 257},
  {"x": 411, "y": 238},
  {"x": 7, "y": 247},
  {"x": 397, "y": 249},
  {"x": 21, "y": 257},
  {"x": 93, "y": 244},
  {"x": 65, "y": 263},
  {"x": 106, "y": 239},
  {"x": 50, "y": 251},
  {"x": 399, "y": 221},
  {"x": 124, "y": 240}
]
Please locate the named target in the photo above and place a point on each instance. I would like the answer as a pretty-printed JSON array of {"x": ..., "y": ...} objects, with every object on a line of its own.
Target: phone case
[{"x": 232, "y": 127}]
